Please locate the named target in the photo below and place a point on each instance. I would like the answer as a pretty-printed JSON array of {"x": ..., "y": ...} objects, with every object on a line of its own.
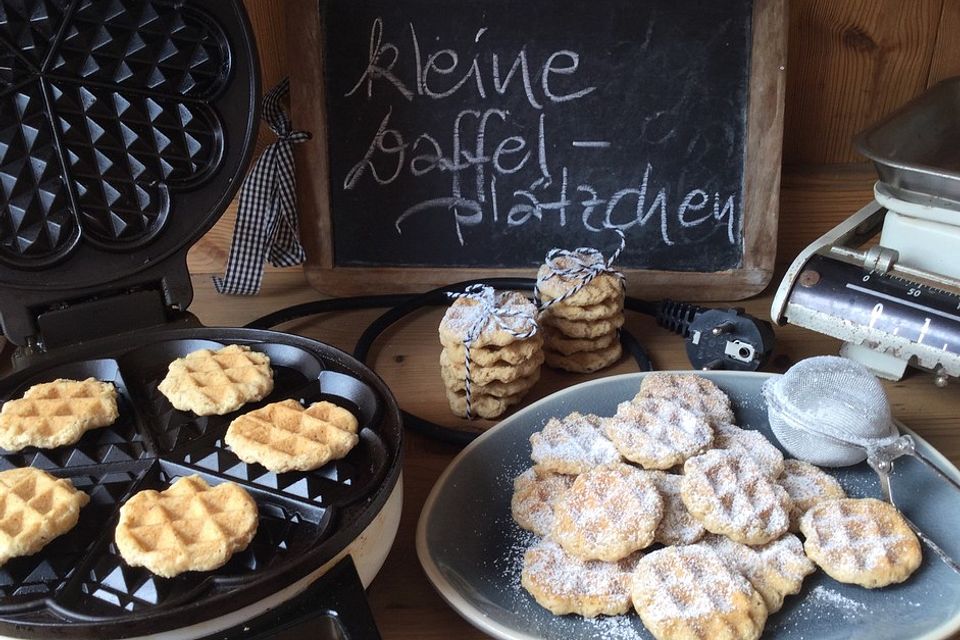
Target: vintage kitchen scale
[
  {"x": 894, "y": 301},
  {"x": 125, "y": 128}
]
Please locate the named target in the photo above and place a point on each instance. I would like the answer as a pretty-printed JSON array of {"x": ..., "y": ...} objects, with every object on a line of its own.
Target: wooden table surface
[{"x": 405, "y": 605}]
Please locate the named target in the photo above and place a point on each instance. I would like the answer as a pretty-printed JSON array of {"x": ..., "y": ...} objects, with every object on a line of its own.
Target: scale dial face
[{"x": 880, "y": 311}]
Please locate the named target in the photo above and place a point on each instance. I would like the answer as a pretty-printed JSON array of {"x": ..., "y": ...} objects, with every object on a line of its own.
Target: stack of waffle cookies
[
  {"x": 669, "y": 509},
  {"x": 580, "y": 318},
  {"x": 494, "y": 348}
]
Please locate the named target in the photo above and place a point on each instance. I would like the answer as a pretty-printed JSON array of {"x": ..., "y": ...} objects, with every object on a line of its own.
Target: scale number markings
[
  {"x": 914, "y": 292},
  {"x": 923, "y": 330},
  {"x": 876, "y": 314}
]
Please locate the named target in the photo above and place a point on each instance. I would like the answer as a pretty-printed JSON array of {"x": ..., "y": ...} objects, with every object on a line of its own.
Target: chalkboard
[{"x": 482, "y": 133}]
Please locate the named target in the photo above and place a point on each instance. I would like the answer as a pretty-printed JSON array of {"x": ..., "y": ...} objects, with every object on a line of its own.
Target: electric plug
[{"x": 727, "y": 339}]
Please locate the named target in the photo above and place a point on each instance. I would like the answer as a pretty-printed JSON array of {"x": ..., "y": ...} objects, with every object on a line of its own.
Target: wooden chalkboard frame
[{"x": 760, "y": 197}]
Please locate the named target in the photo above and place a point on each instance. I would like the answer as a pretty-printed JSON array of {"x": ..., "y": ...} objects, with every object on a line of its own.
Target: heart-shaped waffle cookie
[
  {"x": 217, "y": 382},
  {"x": 35, "y": 508},
  {"x": 188, "y": 527},
  {"x": 53, "y": 414},
  {"x": 284, "y": 436}
]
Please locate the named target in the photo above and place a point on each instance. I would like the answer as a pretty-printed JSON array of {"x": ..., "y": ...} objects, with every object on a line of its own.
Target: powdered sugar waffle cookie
[
  {"x": 188, "y": 527},
  {"x": 217, "y": 382},
  {"x": 807, "y": 485},
  {"x": 729, "y": 494},
  {"x": 604, "y": 309},
  {"x": 860, "y": 541},
  {"x": 534, "y": 495},
  {"x": 688, "y": 593},
  {"x": 584, "y": 361},
  {"x": 479, "y": 375},
  {"x": 572, "y": 445},
  {"x": 518, "y": 315},
  {"x": 775, "y": 569},
  {"x": 283, "y": 436},
  {"x": 35, "y": 508},
  {"x": 563, "y": 345},
  {"x": 749, "y": 443},
  {"x": 657, "y": 433},
  {"x": 692, "y": 391},
  {"x": 53, "y": 414},
  {"x": 515, "y": 353},
  {"x": 551, "y": 285},
  {"x": 677, "y": 526},
  {"x": 565, "y": 584},
  {"x": 608, "y": 513},
  {"x": 496, "y": 388},
  {"x": 483, "y": 406},
  {"x": 585, "y": 329}
]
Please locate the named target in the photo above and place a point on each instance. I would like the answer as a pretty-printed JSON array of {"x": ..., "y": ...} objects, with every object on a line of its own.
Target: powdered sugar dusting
[{"x": 572, "y": 445}]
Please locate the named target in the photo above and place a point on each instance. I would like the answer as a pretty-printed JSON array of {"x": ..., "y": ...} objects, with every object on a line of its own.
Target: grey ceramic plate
[{"x": 471, "y": 550}]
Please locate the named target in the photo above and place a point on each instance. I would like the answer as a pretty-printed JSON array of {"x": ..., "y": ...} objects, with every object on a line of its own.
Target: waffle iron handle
[{"x": 332, "y": 608}]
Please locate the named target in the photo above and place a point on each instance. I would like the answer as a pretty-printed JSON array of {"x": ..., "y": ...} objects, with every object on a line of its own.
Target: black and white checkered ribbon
[
  {"x": 582, "y": 264},
  {"x": 489, "y": 311},
  {"x": 267, "y": 227}
]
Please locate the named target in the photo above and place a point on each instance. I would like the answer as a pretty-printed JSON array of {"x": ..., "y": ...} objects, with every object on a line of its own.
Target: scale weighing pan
[{"x": 917, "y": 148}]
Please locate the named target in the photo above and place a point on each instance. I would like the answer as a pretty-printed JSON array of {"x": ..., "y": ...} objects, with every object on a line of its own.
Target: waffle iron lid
[{"x": 125, "y": 127}]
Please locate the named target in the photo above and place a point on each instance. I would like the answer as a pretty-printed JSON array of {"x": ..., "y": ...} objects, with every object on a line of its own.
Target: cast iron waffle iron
[{"x": 125, "y": 126}]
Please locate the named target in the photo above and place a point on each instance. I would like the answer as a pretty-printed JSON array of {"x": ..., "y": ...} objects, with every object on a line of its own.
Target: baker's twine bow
[
  {"x": 486, "y": 299},
  {"x": 267, "y": 227},
  {"x": 583, "y": 264}
]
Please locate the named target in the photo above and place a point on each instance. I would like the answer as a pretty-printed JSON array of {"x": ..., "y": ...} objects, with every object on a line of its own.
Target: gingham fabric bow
[
  {"x": 583, "y": 264},
  {"x": 267, "y": 226},
  {"x": 486, "y": 299}
]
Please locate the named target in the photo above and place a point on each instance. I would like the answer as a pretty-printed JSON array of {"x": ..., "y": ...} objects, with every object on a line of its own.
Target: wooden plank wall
[{"x": 850, "y": 62}]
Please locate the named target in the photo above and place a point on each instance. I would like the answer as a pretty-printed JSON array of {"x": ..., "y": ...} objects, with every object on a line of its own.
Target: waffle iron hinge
[{"x": 130, "y": 310}]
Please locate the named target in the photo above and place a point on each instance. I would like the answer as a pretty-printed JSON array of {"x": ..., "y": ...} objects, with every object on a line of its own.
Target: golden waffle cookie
[
  {"x": 496, "y": 388},
  {"x": 860, "y": 541},
  {"x": 455, "y": 369},
  {"x": 775, "y": 569},
  {"x": 482, "y": 406},
  {"x": 564, "y": 584},
  {"x": 283, "y": 436},
  {"x": 694, "y": 392},
  {"x": 677, "y": 526},
  {"x": 464, "y": 313},
  {"x": 188, "y": 527},
  {"x": 603, "y": 309},
  {"x": 534, "y": 495},
  {"x": 563, "y": 345},
  {"x": 608, "y": 513},
  {"x": 53, "y": 414},
  {"x": 514, "y": 353},
  {"x": 688, "y": 593},
  {"x": 807, "y": 485},
  {"x": 35, "y": 508},
  {"x": 584, "y": 361},
  {"x": 217, "y": 382},
  {"x": 572, "y": 445},
  {"x": 585, "y": 328},
  {"x": 657, "y": 433},
  {"x": 603, "y": 287},
  {"x": 749, "y": 443},
  {"x": 730, "y": 495}
]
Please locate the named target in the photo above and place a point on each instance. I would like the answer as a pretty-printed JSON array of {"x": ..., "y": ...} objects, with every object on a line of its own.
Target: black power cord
[{"x": 715, "y": 338}]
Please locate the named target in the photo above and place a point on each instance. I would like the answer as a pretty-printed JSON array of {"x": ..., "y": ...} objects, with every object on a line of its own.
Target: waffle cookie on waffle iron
[
  {"x": 217, "y": 382},
  {"x": 35, "y": 508},
  {"x": 286, "y": 436},
  {"x": 58, "y": 413},
  {"x": 188, "y": 527}
]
